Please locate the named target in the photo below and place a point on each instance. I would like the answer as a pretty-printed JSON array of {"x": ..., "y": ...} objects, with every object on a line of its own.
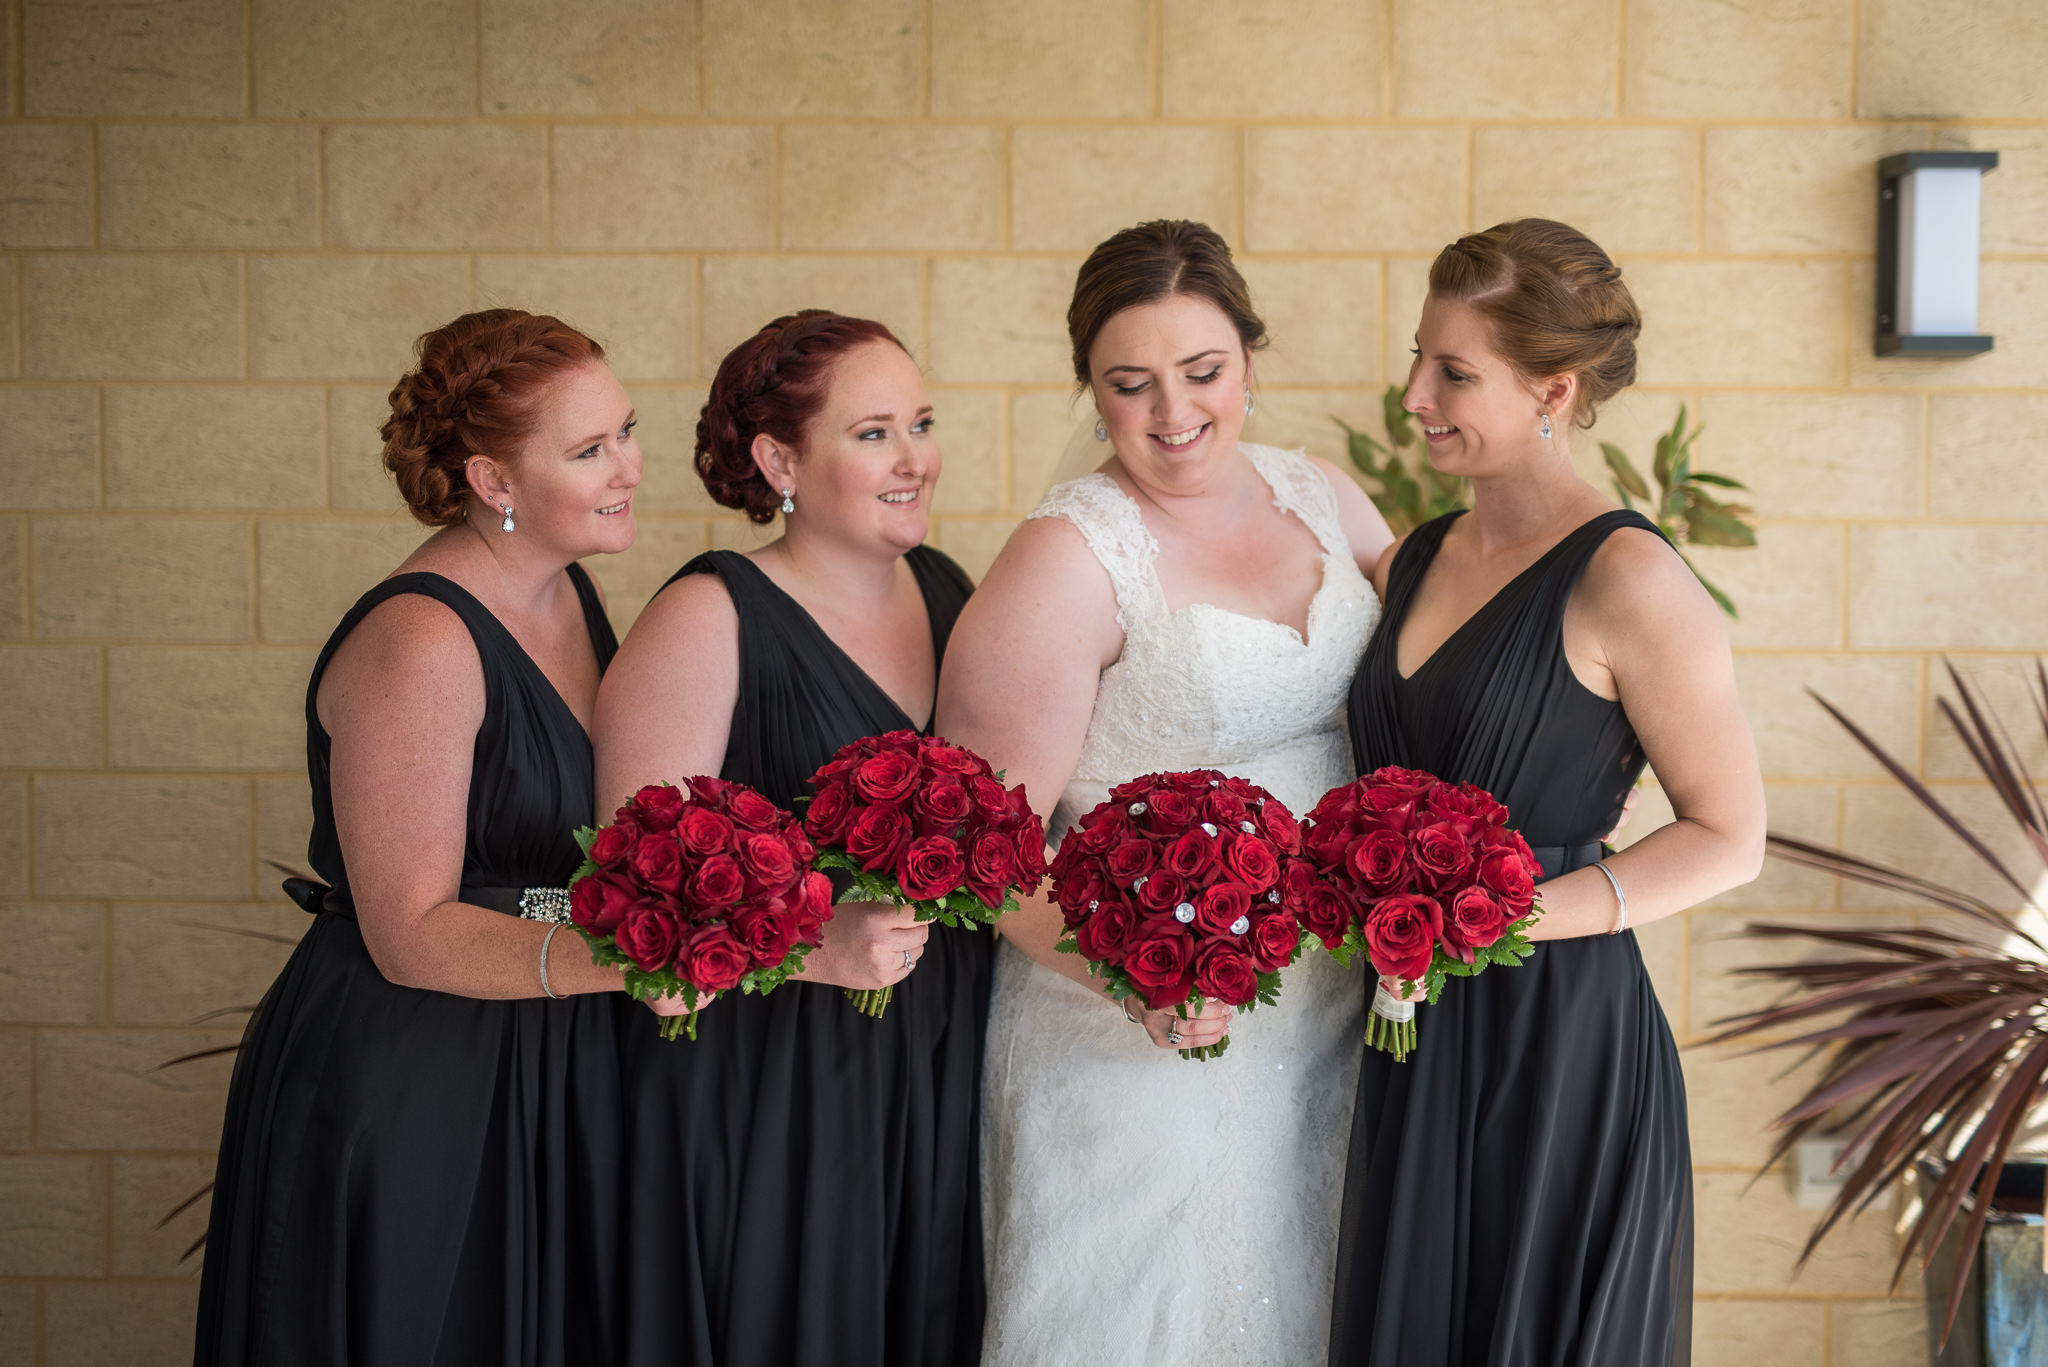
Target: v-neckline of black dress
[
  {"x": 804, "y": 615},
  {"x": 1483, "y": 610},
  {"x": 519, "y": 651}
]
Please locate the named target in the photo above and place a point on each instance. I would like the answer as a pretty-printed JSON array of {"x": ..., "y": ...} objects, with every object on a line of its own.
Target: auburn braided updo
[
  {"x": 476, "y": 391},
  {"x": 774, "y": 382}
]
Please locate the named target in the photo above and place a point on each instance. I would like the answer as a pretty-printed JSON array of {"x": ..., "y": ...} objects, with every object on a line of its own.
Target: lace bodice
[{"x": 1200, "y": 685}]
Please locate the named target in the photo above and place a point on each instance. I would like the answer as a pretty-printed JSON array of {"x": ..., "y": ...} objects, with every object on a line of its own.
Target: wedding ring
[
  {"x": 907, "y": 960},
  {"x": 1173, "y": 1034}
]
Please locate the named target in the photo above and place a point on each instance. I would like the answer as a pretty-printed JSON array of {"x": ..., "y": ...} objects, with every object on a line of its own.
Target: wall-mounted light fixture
[{"x": 1927, "y": 237}]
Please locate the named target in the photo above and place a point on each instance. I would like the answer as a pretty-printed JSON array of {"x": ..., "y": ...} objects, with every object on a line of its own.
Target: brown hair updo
[
  {"x": 1555, "y": 301},
  {"x": 774, "y": 382},
  {"x": 476, "y": 391},
  {"x": 1151, "y": 261}
]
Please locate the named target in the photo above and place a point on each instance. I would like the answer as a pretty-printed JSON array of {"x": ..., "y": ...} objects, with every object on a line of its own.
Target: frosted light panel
[{"x": 1938, "y": 223}]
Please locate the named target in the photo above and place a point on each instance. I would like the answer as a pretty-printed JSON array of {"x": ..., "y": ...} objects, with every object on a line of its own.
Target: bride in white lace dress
[{"x": 1196, "y": 603}]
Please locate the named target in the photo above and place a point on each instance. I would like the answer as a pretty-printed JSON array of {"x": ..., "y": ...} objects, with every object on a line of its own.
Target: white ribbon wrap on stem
[{"x": 1385, "y": 1003}]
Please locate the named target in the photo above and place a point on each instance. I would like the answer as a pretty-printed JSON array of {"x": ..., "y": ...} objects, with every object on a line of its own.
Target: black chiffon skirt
[
  {"x": 806, "y": 1180},
  {"x": 410, "y": 1177}
]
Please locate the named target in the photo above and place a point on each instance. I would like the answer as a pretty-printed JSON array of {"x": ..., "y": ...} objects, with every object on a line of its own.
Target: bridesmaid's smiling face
[
  {"x": 1478, "y": 415},
  {"x": 571, "y": 486},
  {"x": 870, "y": 460},
  {"x": 1169, "y": 379}
]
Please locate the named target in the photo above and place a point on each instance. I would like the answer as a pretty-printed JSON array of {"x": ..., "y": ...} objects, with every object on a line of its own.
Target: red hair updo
[
  {"x": 774, "y": 383},
  {"x": 476, "y": 391}
]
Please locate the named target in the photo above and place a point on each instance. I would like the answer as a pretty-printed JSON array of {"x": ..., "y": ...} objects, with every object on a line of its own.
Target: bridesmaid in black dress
[
  {"x": 804, "y": 1179},
  {"x": 1520, "y": 1190},
  {"x": 420, "y": 1158}
]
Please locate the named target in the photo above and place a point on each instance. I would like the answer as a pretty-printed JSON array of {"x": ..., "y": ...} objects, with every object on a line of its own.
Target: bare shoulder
[
  {"x": 1047, "y": 555},
  {"x": 1637, "y": 581},
  {"x": 411, "y": 655},
  {"x": 695, "y": 609}
]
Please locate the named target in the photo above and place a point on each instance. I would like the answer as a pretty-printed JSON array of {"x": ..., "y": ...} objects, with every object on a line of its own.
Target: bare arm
[
  {"x": 1018, "y": 688},
  {"x": 664, "y": 715},
  {"x": 402, "y": 701},
  {"x": 1642, "y": 623},
  {"x": 1364, "y": 528}
]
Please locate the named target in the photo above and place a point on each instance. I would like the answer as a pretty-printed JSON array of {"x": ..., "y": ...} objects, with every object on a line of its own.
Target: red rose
[
  {"x": 614, "y": 843},
  {"x": 704, "y": 788},
  {"x": 1227, "y": 809},
  {"x": 1193, "y": 854},
  {"x": 1274, "y": 940},
  {"x": 1163, "y": 891},
  {"x": 658, "y": 861},
  {"x": 717, "y": 884},
  {"x": 714, "y": 960},
  {"x": 1297, "y": 876},
  {"x": 931, "y": 868},
  {"x": 941, "y": 806},
  {"x": 647, "y": 936},
  {"x": 1220, "y": 907},
  {"x": 1401, "y": 933},
  {"x": 748, "y": 808},
  {"x": 887, "y": 777},
  {"x": 1171, "y": 811},
  {"x": 1078, "y": 887},
  {"x": 703, "y": 832},
  {"x": 1326, "y": 914},
  {"x": 950, "y": 758},
  {"x": 1130, "y": 860},
  {"x": 876, "y": 836},
  {"x": 813, "y": 906},
  {"x": 826, "y": 816},
  {"x": 991, "y": 799},
  {"x": 1101, "y": 829},
  {"x": 1280, "y": 827},
  {"x": 1509, "y": 877},
  {"x": 1252, "y": 861},
  {"x": 658, "y": 806},
  {"x": 599, "y": 902},
  {"x": 1029, "y": 842},
  {"x": 1379, "y": 861},
  {"x": 1103, "y": 936},
  {"x": 1442, "y": 856},
  {"x": 992, "y": 867},
  {"x": 1160, "y": 965},
  {"x": 1226, "y": 974},
  {"x": 767, "y": 862},
  {"x": 1473, "y": 920},
  {"x": 767, "y": 933}
]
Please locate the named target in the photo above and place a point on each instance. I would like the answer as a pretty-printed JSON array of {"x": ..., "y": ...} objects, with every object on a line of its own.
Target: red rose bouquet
[
  {"x": 1184, "y": 886},
  {"x": 925, "y": 825},
  {"x": 1427, "y": 878},
  {"x": 699, "y": 894}
]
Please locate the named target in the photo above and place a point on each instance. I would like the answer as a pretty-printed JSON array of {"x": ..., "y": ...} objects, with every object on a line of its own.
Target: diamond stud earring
[{"x": 1101, "y": 432}]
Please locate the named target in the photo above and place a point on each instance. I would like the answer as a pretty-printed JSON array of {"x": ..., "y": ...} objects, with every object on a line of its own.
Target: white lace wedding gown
[{"x": 1142, "y": 1208}]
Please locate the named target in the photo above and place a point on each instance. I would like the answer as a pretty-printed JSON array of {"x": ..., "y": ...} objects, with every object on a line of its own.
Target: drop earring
[
  {"x": 506, "y": 525},
  {"x": 1101, "y": 432},
  {"x": 788, "y": 503},
  {"x": 1249, "y": 405},
  {"x": 1543, "y": 430}
]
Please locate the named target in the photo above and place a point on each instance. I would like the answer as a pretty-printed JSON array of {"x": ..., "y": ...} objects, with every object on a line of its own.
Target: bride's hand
[
  {"x": 866, "y": 945},
  {"x": 1205, "y": 1023}
]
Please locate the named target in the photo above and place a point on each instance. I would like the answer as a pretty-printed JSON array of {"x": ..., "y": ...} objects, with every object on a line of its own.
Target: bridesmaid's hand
[
  {"x": 1628, "y": 809},
  {"x": 1205, "y": 1023},
  {"x": 673, "y": 1006},
  {"x": 867, "y": 945}
]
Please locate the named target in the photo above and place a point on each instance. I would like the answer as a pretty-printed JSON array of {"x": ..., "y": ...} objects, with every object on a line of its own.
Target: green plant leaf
[
  {"x": 1711, "y": 527},
  {"x": 1626, "y": 479},
  {"x": 1721, "y": 481},
  {"x": 1401, "y": 430}
]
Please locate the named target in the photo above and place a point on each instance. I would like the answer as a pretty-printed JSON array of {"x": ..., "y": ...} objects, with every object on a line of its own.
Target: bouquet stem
[
  {"x": 869, "y": 1001},
  {"x": 1207, "y": 1051},
  {"x": 671, "y": 1026},
  {"x": 1390, "y": 1025}
]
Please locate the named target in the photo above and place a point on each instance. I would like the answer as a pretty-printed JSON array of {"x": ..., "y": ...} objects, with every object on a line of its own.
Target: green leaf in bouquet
[
  {"x": 583, "y": 871},
  {"x": 586, "y": 836}
]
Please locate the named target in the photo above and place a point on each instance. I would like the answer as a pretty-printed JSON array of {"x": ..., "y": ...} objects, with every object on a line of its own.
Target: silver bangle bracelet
[
  {"x": 1124, "y": 1004},
  {"x": 546, "y": 941},
  {"x": 1621, "y": 922}
]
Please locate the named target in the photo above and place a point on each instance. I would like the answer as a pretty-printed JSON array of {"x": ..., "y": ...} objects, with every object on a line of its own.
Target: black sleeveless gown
[
  {"x": 805, "y": 1180},
  {"x": 411, "y": 1177},
  {"x": 1520, "y": 1190}
]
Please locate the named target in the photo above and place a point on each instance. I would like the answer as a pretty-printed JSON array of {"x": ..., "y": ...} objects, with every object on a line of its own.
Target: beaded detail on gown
[
  {"x": 412, "y": 1177},
  {"x": 1142, "y": 1208},
  {"x": 803, "y": 1177},
  {"x": 1519, "y": 1191}
]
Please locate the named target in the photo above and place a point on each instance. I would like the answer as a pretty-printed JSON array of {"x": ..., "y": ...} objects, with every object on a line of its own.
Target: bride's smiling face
[{"x": 1169, "y": 379}]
